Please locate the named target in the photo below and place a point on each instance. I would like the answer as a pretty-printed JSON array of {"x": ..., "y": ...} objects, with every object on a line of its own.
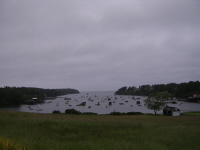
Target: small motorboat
[
  {"x": 98, "y": 103},
  {"x": 30, "y": 108},
  {"x": 38, "y": 109}
]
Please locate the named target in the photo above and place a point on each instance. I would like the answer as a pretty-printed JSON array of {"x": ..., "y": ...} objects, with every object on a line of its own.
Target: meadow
[{"x": 34, "y": 131}]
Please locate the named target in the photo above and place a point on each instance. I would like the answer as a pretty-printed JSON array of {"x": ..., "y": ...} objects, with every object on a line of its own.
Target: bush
[
  {"x": 56, "y": 112},
  {"x": 128, "y": 113},
  {"x": 89, "y": 113},
  {"x": 72, "y": 111},
  {"x": 134, "y": 113}
]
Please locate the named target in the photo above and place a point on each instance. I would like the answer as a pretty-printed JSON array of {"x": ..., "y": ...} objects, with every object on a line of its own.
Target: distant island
[
  {"x": 19, "y": 95},
  {"x": 182, "y": 90}
]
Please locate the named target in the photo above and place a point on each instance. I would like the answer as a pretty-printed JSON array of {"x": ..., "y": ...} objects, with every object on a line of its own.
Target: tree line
[
  {"x": 19, "y": 95},
  {"x": 182, "y": 90}
]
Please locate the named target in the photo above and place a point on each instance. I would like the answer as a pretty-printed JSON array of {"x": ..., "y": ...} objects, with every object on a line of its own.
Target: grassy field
[
  {"x": 193, "y": 113},
  {"x": 24, "y": 131}
]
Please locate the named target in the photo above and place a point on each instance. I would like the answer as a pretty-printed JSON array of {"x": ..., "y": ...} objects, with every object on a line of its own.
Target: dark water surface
[{"x": 99, "y": 97}]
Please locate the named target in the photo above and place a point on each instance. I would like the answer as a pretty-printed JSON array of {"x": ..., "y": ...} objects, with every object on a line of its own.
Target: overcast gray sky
[{"x": 93, "y": 45}]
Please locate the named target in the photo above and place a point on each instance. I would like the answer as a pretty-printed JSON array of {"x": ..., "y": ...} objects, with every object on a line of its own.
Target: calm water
[{"x": 101, "y": 97}]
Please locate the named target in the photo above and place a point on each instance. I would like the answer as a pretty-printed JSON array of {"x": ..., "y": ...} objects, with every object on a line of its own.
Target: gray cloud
[{"x": 98, "y": 45}]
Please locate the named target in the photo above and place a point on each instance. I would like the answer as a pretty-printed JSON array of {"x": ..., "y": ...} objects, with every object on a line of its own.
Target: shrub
[
  {"x": 134, "y": 113},
  {"x": 56, "y": 112},
  {"x": 72, "y": 111},
  {"x": 89, "y": 113},
  {"x": 128, "y": 113}
]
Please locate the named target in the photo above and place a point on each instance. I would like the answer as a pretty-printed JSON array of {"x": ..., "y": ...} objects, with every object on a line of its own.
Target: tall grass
[
  {"x": 98, "y": 132},
  {"x": 8, "y": 144}
]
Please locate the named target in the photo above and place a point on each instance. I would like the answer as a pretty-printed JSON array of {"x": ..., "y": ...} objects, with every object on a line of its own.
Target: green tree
[
  {"x": 157, "y": 101},
  {"x": 121, "y": 91}
]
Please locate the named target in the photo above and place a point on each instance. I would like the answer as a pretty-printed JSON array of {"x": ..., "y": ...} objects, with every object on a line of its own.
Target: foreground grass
[{"x": 24, "y": 131}]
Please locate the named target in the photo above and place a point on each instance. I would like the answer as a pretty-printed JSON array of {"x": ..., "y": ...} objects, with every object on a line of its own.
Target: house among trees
[
  {"x": 194, "y": 98},
  {"x": 171, "y": 111},
  {"x": 35, "y": 100}
]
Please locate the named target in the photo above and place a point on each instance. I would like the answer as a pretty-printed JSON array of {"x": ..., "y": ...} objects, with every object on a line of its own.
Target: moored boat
[{"x": 38, "y": 109}]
